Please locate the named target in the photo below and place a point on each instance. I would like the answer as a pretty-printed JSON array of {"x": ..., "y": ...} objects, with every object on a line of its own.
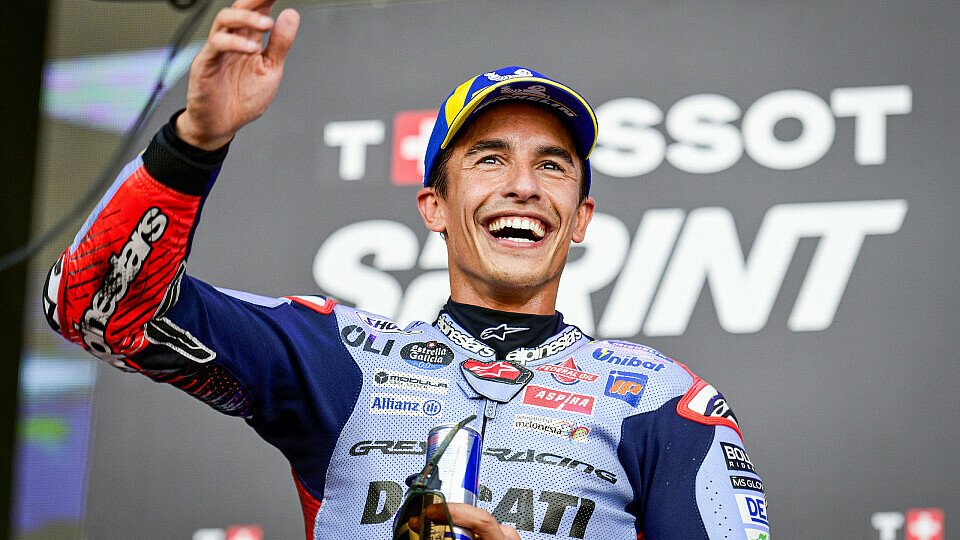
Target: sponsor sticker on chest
[
  {"x": 402, "y": 405},
  {"x": 558, "y": 400}
]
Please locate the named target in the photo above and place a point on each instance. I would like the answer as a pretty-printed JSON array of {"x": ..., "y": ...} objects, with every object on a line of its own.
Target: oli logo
[{"x": 626, "y": 386}]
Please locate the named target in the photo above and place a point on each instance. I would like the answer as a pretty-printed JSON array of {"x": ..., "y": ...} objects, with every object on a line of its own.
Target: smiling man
[{"x": 580, "y": 438}]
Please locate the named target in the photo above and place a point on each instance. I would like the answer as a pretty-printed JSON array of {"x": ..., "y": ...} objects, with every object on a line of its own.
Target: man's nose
[{"x": 522, "y": 184}]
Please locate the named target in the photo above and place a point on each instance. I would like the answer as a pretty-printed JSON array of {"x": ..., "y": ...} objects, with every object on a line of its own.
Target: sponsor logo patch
[
  {"x": 566, "y": 339},
  {"x": 498, "y": 371},
  {"x": 401, "y": 405},
  {"x": 462, "y": 339},
  {"x": 427, "y": 354},
  {"x": 556, "y": 427},
  {"x": 558, "y": 400},
  {"x": 501, "y": 332},
  {"x": 924, "y": 524},
  {"x": 606, "y": 355},
  {"x": 756, "y": 534},
  {"x": 567, "y": 372},
  {"x": 745, "y": 482},
  {"x": 626, "y": 386},
  {"x": 753, "y": 510},
  {"x": 736, "y": 458},
  {"x": 508, "y": 455},
  {"x": 363, "y": 448},
  {"x": 406, "y": 381},
  {"x": 384, "y": 326},
  {"x": 354, "y": 336}
]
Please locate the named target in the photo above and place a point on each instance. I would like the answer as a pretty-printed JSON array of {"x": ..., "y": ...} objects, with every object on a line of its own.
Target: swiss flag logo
[
  {"x": 924, "y": 524},
  {"x": 244, "y": 532},
  {"x": 411, "y": 133}
]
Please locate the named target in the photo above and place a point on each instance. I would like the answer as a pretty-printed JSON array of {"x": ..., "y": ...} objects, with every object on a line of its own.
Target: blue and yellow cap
[{"x": 511, "y": 83}]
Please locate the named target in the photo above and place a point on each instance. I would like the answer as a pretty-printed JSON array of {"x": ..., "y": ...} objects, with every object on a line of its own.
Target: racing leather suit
[{"x": 581, "y": 438}]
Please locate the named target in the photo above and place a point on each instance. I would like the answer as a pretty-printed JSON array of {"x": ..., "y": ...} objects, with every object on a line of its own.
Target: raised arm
[{"x": 234, "y": 79}]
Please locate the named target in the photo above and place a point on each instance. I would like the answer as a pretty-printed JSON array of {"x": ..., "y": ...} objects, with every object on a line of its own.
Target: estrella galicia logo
[
  {"x": 626, "y": 386},
  {"x": 427, "y": 354}
]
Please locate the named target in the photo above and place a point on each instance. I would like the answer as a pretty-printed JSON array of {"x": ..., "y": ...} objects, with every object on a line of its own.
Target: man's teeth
[{"x": 519, "y": 223}]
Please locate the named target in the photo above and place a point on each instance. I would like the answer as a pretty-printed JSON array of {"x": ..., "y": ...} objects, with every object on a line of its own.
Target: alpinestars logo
[
  {"x": 500, "y": 332},
  {"x": 124, "y": 268},
  {"x": 499, "y": 371},
  {"x": 464, "y": 340}
]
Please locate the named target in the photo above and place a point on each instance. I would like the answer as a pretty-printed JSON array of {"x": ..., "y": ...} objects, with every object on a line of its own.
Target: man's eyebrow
[
  {"x": 488, "y": 144},
  {"x": 555, "y": 151}
]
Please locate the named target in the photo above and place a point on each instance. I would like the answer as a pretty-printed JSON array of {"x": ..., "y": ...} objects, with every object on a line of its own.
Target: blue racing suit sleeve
[{"x": 691, "y": 480}]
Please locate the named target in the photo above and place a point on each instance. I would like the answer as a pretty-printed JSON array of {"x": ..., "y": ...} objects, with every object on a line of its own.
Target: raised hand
[{"x": 233, "y": 79}]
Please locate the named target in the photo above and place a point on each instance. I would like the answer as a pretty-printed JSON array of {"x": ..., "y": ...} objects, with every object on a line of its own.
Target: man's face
[{"x": 512, "y": 204}]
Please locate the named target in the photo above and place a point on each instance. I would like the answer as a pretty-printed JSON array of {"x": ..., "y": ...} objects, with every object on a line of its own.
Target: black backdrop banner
[{"x": 777, "y": 193}]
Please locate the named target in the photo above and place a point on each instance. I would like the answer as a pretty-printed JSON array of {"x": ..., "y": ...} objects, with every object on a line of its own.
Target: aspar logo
[
  {"x": 354, "y": 336},
  {"x": 407, "y": 381},
  {"x": 463, "y": 339},
  {"x": 606, "y": 355},
  {"x": 516, "y": 506},
  {"x": 567, "y": 372},
  {"x": 626, "y": 386},
  {"x": 124, "y": 268},
  {"x": 382, "y": 325},
  {"x": 389, "y": 448},
  {"x": 656, "y": 280},
  {"x": 547, "y": 458},
  {"x": 427, "y": 354},
  {"x": 566, "y": 339},
  {"x": 920, "y": 524},
  {"x": 557, "y": 400},
  {"x": 555, "y": 427},
  {"x": 402, "y": 405}
]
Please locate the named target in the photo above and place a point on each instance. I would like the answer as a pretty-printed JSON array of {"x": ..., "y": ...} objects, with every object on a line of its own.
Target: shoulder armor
[
  {"x": 319, "y": 304},
  {"x": 705, "y": 404}
]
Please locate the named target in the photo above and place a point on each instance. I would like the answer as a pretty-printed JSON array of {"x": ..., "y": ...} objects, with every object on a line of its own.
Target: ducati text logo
[
  {"x": 402, "y": 405},
  {"x": 567, "y": 372},
  {"x": 557, "y": 400},
  {"x": 427, "y": 354},
  {"x": 626, "y": 386},
  {"x": 498, "y": 371}
]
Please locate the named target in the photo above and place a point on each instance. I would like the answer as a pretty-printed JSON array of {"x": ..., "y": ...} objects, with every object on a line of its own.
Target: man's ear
[
  {"x": 584, "y": 215},
  {"x": 432, "y": 209}
]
